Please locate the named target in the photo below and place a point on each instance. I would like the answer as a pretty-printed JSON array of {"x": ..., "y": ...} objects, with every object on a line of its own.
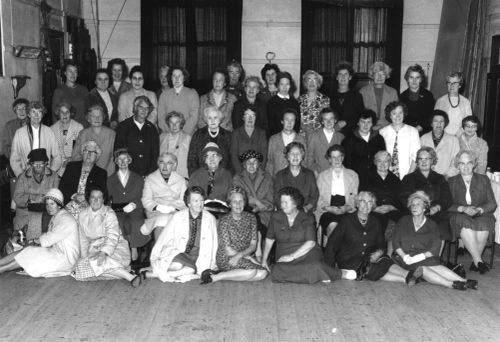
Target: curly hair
[
  {"x": 393, "y": 105},
  {"x": 431, "y": 151},
  {"x": 194, "y": 190},
  {"x": 269, "y": 66},
  {"x": 237, "y": 190},
  {"x": 121, "y": 62},
  {"x": 294, "y": 194}
]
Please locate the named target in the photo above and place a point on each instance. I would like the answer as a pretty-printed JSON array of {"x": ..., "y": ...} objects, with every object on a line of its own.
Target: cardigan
[
  {"x": 241, "y": 142},
  {"x": 419, "y": 111},
  {"x": 317, "y": 145},
  {"x": 105, "y": 139},
  {"x": 274, "y": 109},
  {"x": 22, "y": 146},
  {"x": 324, "y": 182},
  {"x": 95, "y": 98},
  {"x": 454, "y": 114},
  {"x": 239, "y": 108},
  {"x": 76, "y": 97},
  {"x": 359, "y": 153},
  {"x": 370, "y": 101},
  {"x": 66, "y": 142},
  {"x": 408, "y": 145},
  {"x": 131, "y": 192},
  {"x": 351, "y": 242},
  {"x": 186, "y": 102},
  {"x": 446, "y": 151},
  {"x": 481, "y": 193},
  {"x": 199, "y": 140},
  {"x": 275, "y": 156},
  {"x": 143, "y": 145},
  {"x": 124, "y": 87},
  {"x": 173, "y": 241},
  {"x": 226, "y": 108},
  {"x": 126, "y": 104}
]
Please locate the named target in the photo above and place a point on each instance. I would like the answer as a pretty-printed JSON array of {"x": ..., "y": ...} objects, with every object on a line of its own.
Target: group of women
[{"x": 244, "y": 176}]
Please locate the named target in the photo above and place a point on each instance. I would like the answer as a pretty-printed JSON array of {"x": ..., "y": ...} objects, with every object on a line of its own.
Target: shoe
[
  {"x": 473, "y": 267},
  {"x": 459, "y": 285},
  {"x": 459, "y": 269},
  {"x": 142, "y": 274},
  {"x": 483, "y": 268},
  {"x": 206, "y": 277},
  {"x": 461, "y": 251},
  {"x": 136, "y": 281},
  {"x": 415, "y": 276},
  {"x": 471, "y": 284}
]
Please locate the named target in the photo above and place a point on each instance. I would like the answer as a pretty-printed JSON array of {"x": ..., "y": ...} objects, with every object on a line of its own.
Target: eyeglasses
[
  {"x": 470, "y": 126},
  {"x": 42, "y": 164}
]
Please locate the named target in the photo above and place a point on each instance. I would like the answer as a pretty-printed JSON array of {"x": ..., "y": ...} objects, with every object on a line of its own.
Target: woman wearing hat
[
  {"x": 125, "y": 191},
  {"x": 32, "y": 185},
  {"x": 80, "y": 175},
  {"x": 215, "y": 180},
  {"x": 258, "y": 185},
  {"x": 55, "y": 252}
]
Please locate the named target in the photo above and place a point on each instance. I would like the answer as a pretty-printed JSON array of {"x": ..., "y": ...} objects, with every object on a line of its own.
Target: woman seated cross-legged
[
  {"x": 357, "y": 246},
  {"x": 105, "y": 253},
  {"x": 55, "y": 252},
  {"x": 188, "y": 244},
  {"x": 416, "y": 244},
  {"x": 298, "y": 258},
  {"x": 237, "y": 243},
  {"x": 471, "y": 214}
]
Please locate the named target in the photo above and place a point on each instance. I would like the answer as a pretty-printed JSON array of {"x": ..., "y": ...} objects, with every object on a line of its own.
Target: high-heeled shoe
[
  {"x": 415, "y": 276},
  {"x": 471, "y": 284},
  {"x": 482, "y": 267},
  {"x": 136, "y": 281},
  {"x": 206, "y": 277},
  {"x": 459, "y": 285}
]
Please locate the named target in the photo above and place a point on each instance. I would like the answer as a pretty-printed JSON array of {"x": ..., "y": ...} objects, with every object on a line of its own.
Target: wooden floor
[{"x": 64, "y": 309}]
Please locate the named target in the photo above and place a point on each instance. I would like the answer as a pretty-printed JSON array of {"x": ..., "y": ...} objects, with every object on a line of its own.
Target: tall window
[
  {"x": 358, "y": 31},
  {"x": 197, "y": 34}
]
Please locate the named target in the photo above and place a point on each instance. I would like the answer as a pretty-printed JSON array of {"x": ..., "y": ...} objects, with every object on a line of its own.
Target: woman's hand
[
  {"x": 235, "y": 259},
  {"x": 286, "y": 258},
  {"x": 308, "y": 207},
  {"x": 470, "y": 210},
  {"x": 375, "y": 256},
  {"x": 78, "y": 198},
  {"x": 265, "y": 265},
  {"x": 99, "y": 257},
  {"x": 434, "y": 209}
]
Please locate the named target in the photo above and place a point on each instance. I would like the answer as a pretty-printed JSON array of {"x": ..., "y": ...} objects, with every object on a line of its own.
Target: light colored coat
[
  {"x": 65, "y": 142},
  {"x": 317, "y": 145},
  {"x": 446, "y": 151},
  {"x": 101, "y": 233},
  {"x": 173, "y": 240},
  {"x": 59, "y": 251},
  {"x": 187, "y": 103},
  {"x": 324, "y": 182},
  {"x": 370, "y": 100},
  {"x": 22, "y": 146},
  {"x": 180, "y": 149}
]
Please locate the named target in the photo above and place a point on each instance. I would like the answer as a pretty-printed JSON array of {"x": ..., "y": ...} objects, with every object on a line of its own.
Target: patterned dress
[
  {"x": 309, "y": 112},
  {"x": 237, "y": 234}
]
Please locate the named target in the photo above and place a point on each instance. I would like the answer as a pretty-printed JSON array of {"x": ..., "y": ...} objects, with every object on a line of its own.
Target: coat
[
  {"x": 481, "y": 194},
  {"x": 317, "y": 145},
  {"x": 222, "y": 182},
  {"x": 260, "y": 189},
  {"x": 446, "y": 151},
  {"x": 179, "y": 147},
  {"x": 198, "y": 142},
  {"x": 69, "y": 181},
  {"x": 241, "y": 142},
  {"x": 126, "y": 104},
  {"x": 324, "y": 182},
  {"x": 66, "y": 142},
  {"x": 173, "y": 240},
  {"x": 58, "y": 252},
  {"x": 143, "y": 145},
  {"x": 186, "y": 102},
  {"x": 359, "y": 153},
  {"x": 370, "y": 100},
  {"x": 275, "y": 157},
  {"x": 226, "y": 108},
  {"x": 95, "y": 98},
  {"x": 101, "y": 233},
  {"x": 23, "y": 144}
]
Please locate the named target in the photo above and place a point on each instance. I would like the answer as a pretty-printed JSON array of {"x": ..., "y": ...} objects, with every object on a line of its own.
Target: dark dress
[
  {"x": 198, "y": 142},
  {"x": 359, "y": 153},
  {"x": 481, "y": 196},
  {"x": 309, "y": 268},
  {"x": 130, "y": 223},
  {"x": 349, "y": 106},
  {"x": 143, "y": 145},
  {"x": 71, "y": 177},
  {"x": 387, "y": 193},
  {"x": 419, "y": 109},
  {"x": 275, "y": 106},
  {"x": 351, "y": 243},
  {"x": 305, "y": 182},
  {"x": 436, "y": 187},
  {"x": 412, "y": 242},
  {"x": 237, "y": 234}
]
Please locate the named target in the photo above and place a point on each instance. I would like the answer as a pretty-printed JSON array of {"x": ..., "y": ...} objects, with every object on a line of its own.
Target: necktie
[{"x": 395, "y": 158}]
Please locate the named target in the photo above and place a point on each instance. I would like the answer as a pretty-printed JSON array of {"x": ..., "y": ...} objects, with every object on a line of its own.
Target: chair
[{"x": 491, "y": 245}]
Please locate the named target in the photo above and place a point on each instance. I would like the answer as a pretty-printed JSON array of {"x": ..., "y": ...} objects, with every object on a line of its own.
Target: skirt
[
  {"x": 432, "y": 261},
  {"x": 478, "y": 223}
]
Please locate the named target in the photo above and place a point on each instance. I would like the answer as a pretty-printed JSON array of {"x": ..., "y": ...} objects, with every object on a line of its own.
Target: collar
[{"x": 283, "y": 97}]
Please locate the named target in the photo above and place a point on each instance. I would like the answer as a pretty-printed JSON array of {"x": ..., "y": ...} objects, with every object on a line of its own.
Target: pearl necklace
[{"x": 449, "y": 100}]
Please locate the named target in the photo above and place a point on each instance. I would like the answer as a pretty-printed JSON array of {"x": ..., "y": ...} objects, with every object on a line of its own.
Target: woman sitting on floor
[
  {"x": 188, "y": 244},
  {"x": 358, "y": 245},
  {"x": 237, "y": 243},
  {"x": 416, "y": 244},
  {"x": 298, "y": 258},
  {"x": 104, "y": 251},
  {"x": 55, "y": 252}
]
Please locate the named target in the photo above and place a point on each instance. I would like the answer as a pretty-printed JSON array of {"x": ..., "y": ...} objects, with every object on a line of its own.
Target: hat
[
  {"x": 211, "y": 147},
  {"x": 91, "y": 146},
  {"x": 39, "y": 154},
  {"x": 249, "y": 154},
  {"x": 55, "y": 195}
]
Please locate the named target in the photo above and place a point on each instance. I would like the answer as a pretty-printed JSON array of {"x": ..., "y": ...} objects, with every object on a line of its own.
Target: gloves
[
  {"x": 164, "y": 209},
  {"x": 407, "y": 259},
  {"x": 129, "y": 207},
  {"x": 413, "y": 259}
]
